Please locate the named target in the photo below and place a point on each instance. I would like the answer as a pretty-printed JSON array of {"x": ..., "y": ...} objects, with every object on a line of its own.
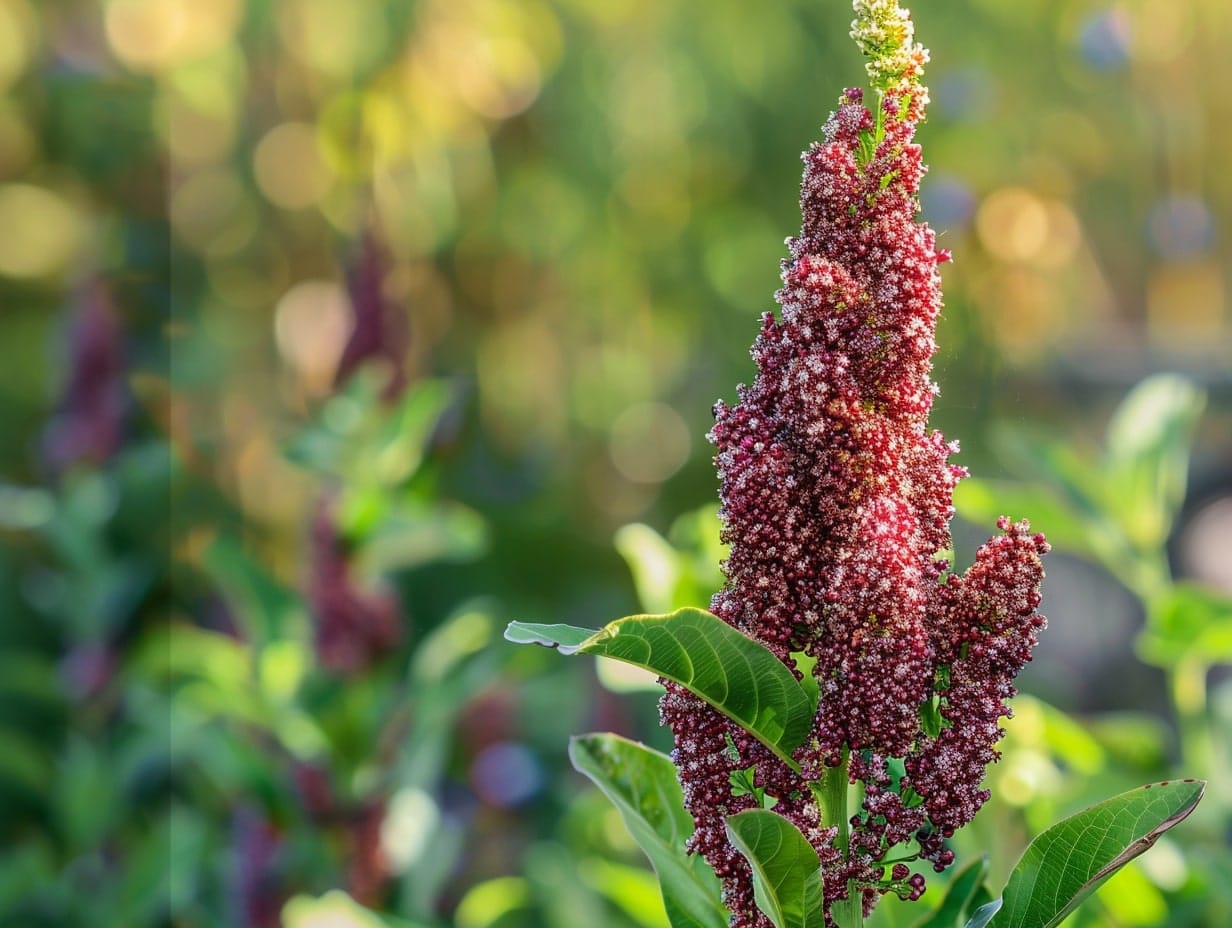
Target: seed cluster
[{"x": 836, "y": 504}]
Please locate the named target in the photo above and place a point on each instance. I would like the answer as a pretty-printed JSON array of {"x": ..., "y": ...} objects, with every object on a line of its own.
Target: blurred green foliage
[{"x": 576, "y": 210}]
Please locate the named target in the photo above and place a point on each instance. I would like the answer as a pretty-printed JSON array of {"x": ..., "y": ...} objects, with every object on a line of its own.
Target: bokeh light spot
[
  {"x": 506, "y": 774},
  {"x": 1012, "y": 224},
  {"x": 409, "y": 823},
  {"x": 17, "y": 38},
  {"x": 1186, "y": 305},
  {"x": 1105, "y": 39},
  {"x": 1206, "y": 544},
  {"x": 288, "y": 166},
  {"x": 194, "y": 136},
  {"x": 18, "y": 146},
  {"x": 42, "y": 231},
  {"x": 335, "y": 909},
  {"x": 145, "y": 34},
  {"x": 967, "y": 95},
  {"x": 211, "y": 213},
  {"x": 311, "y": 325},
  {"x": 335, "y": 39},
  {"x": 947, "y": 203},
  {"x": 1180, "y": 227},
  {"x": 498, "y": 77},
  {"x": 649, "y": 443},
  {"x": 1165, "y": 30}
]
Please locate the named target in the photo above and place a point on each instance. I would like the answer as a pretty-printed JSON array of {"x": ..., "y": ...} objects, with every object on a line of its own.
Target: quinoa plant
[{"x": 836, "y": 709}]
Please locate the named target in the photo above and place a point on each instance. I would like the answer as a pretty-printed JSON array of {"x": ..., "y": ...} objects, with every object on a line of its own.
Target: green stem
[{"x": 849, "y": 912}]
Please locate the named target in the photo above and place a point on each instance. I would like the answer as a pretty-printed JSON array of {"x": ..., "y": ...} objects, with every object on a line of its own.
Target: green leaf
[
  {"x": 1188, "y": 620},
  {"x": 786, "y": 870},
  {"x": 1147, "y": 457},
  {"x": 1066, "y": 863},
  {"x": 958, "y": 897},
  {"x": 568, "y": 639},
  {"x": 642, "y": 784},
  {"x": 336, "y": 908},
  {"x": 984, "y": 914},
  {"x": 264, "y": 607},
  {"x": 654, "y": 563},
  {"x": 930, "y": 717},
  {"x": 733, "y": 673}
]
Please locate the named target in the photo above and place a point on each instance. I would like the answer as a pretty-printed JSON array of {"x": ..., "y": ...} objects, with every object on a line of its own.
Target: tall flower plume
[{"x": 836, "y": 504}]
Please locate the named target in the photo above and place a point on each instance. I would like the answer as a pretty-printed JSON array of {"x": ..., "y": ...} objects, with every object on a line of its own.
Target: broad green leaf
[
  {"x": 642, "y": 784},
  {"x": 786, "y": 870},
  {"x": 958, "y": 897},
  {"x": 735, "y": 674},
  {"x": 1066, "y": 863}
]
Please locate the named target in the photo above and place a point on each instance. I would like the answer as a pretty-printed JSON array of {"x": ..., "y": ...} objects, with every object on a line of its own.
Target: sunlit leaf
[
  {"x": 786, "y": 870},
  {"x": 642, "y": 784},
  {"x": 485, "y": 903},
  {"x": 734, "y": 673},
  {"x": 1066, "y": 863},
  {"x": 633, "y": 890},
  {"x": 653, "y": 563},
  {"x": 337, "y": 910}
]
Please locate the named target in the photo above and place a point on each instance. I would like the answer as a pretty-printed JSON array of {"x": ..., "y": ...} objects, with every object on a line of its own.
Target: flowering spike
[
  {"x": 886, "y": 36},
  {"x": 836, "y": 504}
]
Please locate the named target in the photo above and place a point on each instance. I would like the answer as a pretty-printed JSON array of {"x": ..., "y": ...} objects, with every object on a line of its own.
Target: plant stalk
[{"x": 849, "y": 912}]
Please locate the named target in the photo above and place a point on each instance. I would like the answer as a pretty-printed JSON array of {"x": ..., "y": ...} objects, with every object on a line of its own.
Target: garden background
[{"x": 338, "y": 334}]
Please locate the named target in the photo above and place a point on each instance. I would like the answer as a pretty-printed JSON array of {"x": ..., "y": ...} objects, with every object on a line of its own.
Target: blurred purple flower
[
  {"x": 353, "y": 627},
  {"x": 506, "y": 774},
  {"x": 381, "y": 330},
  {"x": 88, "y": 424},
  {"x": 257, "y": 891}
]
